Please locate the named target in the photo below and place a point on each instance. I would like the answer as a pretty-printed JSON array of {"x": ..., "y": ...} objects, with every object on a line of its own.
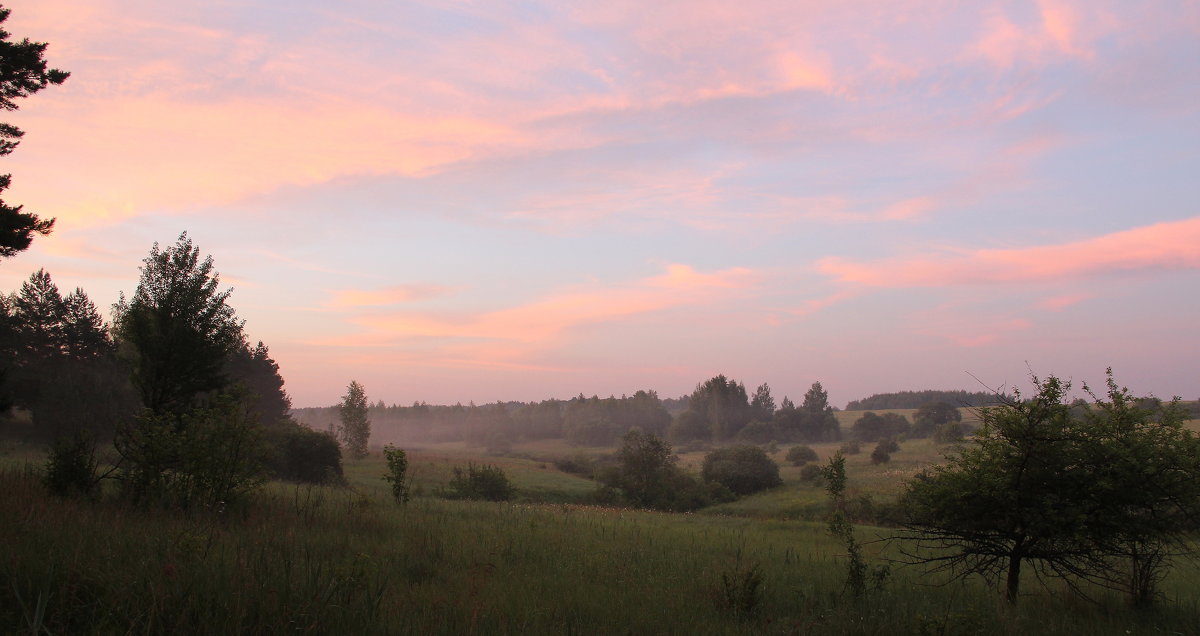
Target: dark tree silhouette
[{"x": 23, "y": 72}]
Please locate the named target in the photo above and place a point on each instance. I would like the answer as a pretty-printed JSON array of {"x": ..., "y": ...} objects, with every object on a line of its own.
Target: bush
[
  {"x": 810, "y": 472},
  {"x": 758, "y": 433},
  {"x": 880, "y": 455},
  {"x": 300, "y": 454},
  {"x": 208, "y": 455},
  {"x": 71, "y": 466},
  {"x": 485, "y": 482},
  {"x": 397, "y": 475},
  {"x": 949, "y": 433},
  {"x": 741, "y": 469},
  {"x": 851, "y": 447},
  {"x": 800, "y": 455}
]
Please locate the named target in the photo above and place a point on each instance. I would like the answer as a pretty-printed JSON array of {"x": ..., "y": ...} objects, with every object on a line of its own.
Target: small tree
[
  {"x": 1106, "y": 497},
  {"x": 841, "y": 527},
  {"x": 355, "y": 428},
  {"x": 397, "y": 474}
]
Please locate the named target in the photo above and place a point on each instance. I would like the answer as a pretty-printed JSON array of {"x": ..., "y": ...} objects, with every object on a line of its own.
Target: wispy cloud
[{"x": 1171, "y": 245}]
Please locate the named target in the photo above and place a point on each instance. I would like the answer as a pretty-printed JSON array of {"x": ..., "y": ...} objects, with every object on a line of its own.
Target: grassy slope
[{"x": 324, "y": 560}]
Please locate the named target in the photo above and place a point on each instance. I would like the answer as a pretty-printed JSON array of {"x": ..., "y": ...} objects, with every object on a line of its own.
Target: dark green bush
[
  {"x": 486, "y": 482},
  {"x": 71, "y": 466},
  {"x": 800, "y": 455},
  {"x": 741, "y": 469},
  {"x": 298, "y": 453}
]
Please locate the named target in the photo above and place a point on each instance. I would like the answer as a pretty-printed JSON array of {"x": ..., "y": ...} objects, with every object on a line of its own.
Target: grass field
[{"x": 349, "y": 560}]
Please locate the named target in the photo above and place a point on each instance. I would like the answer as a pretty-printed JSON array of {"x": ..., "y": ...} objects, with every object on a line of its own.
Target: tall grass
[{"x": 329, "y": 560}]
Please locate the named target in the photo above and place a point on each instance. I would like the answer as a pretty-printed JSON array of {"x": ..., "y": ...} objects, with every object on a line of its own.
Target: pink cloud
[
  {"x": 547, "y": 319},
  {"x": 1171, "y": 245}
]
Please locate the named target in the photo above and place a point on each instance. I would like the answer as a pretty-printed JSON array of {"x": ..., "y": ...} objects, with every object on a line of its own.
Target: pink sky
[{"x": 456, "y": 201}]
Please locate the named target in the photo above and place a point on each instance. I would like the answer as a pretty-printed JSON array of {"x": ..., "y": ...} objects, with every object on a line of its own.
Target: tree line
[{"x": 719, "y": 410}]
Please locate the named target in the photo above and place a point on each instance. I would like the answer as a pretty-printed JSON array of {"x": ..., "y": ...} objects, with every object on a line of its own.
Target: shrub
[
  {"x": 880, "y": 455},
  {"x": 485, "y": 482},
  {"x": 758, "y": 432},
  {"x": 71, "y": 466},
  {"x": 298, "y": 453},
  {"x": 851, "y": 447},
  {"x": 800, "y": 455},
  {"x": 810, "y": 472},
  {"x": 397, "y": 475},
  {"x": 948, "y": 433},
  {"x": 741, "y": 469},
  {"x": 207, "y": 455}
]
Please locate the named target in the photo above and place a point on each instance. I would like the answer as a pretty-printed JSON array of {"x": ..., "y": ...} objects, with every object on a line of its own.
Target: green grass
[{"x": 348, "y": 560}]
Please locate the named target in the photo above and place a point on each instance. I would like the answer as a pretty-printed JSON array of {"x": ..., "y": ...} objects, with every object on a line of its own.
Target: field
[{"x": 349, "y": 560}]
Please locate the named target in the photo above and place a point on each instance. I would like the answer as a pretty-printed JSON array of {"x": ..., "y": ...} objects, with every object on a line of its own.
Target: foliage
[
  {"x": 485, "y": 482},
  {"x": 355, "y": 428},
  {"x": 801, "y": 454},
  {"x": 932, "y": 416},
  {"x": 299, "y": 454},
  {"x": 178, "y": 329},
  {"x": 812, "y": 421},
  {"x": 1105, "y": 498},
  {"x": 741, "y": 591},
  {"x": 208, "y": 456},
  {"x": 762, "y": 405},
  {"x": 742, "y": 469},
  {"x": 915, "y": 399},
  {"x": 257, "y": 374},
  {"x": 723, "y": 406},
  {"x": 63, "y": 367},
  {"x": 882, "y": 452},
  {"x": 872, "y": 427},
  {"x": 23, "y": 72},
  {"x": 850, "y": 447},
  {"x": 397, "y": 474},
  {"x": 810, "y": 472},
  {"x": 841, "y": 527},
  {"x": 948, "y": 433},
  {"x": 645, "y": 476},
  {"x": 71, "y": 466}
]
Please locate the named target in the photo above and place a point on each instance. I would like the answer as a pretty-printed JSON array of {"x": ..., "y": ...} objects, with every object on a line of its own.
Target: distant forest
[{"x": 915, "y": 399}]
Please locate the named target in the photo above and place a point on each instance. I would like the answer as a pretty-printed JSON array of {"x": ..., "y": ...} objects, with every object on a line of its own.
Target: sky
[{"x": 454, "y": 201}]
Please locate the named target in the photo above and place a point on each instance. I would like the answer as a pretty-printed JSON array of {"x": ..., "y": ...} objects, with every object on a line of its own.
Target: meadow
[{"x": 315, "y": 559}]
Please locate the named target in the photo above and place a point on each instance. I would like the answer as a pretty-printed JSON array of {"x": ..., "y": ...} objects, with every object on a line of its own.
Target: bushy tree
[
  {"x": 197, "y": 440},
  {"x": 742, "y": 469},
  {"x": 723, "y": 405},
  {"x": 1107, "y": 497},
  {"x": 646, "y": 476},
  {"x": 355, "y": 429},
  {"x": 872, "y": 427},
  {"x": 23, "y": 72},
  {"x": 932, "y": 416},
  {"x": 178, "y": 330}
]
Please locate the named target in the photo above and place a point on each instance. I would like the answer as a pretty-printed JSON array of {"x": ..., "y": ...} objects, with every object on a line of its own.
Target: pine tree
[{"x": 23, "y": 72}]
